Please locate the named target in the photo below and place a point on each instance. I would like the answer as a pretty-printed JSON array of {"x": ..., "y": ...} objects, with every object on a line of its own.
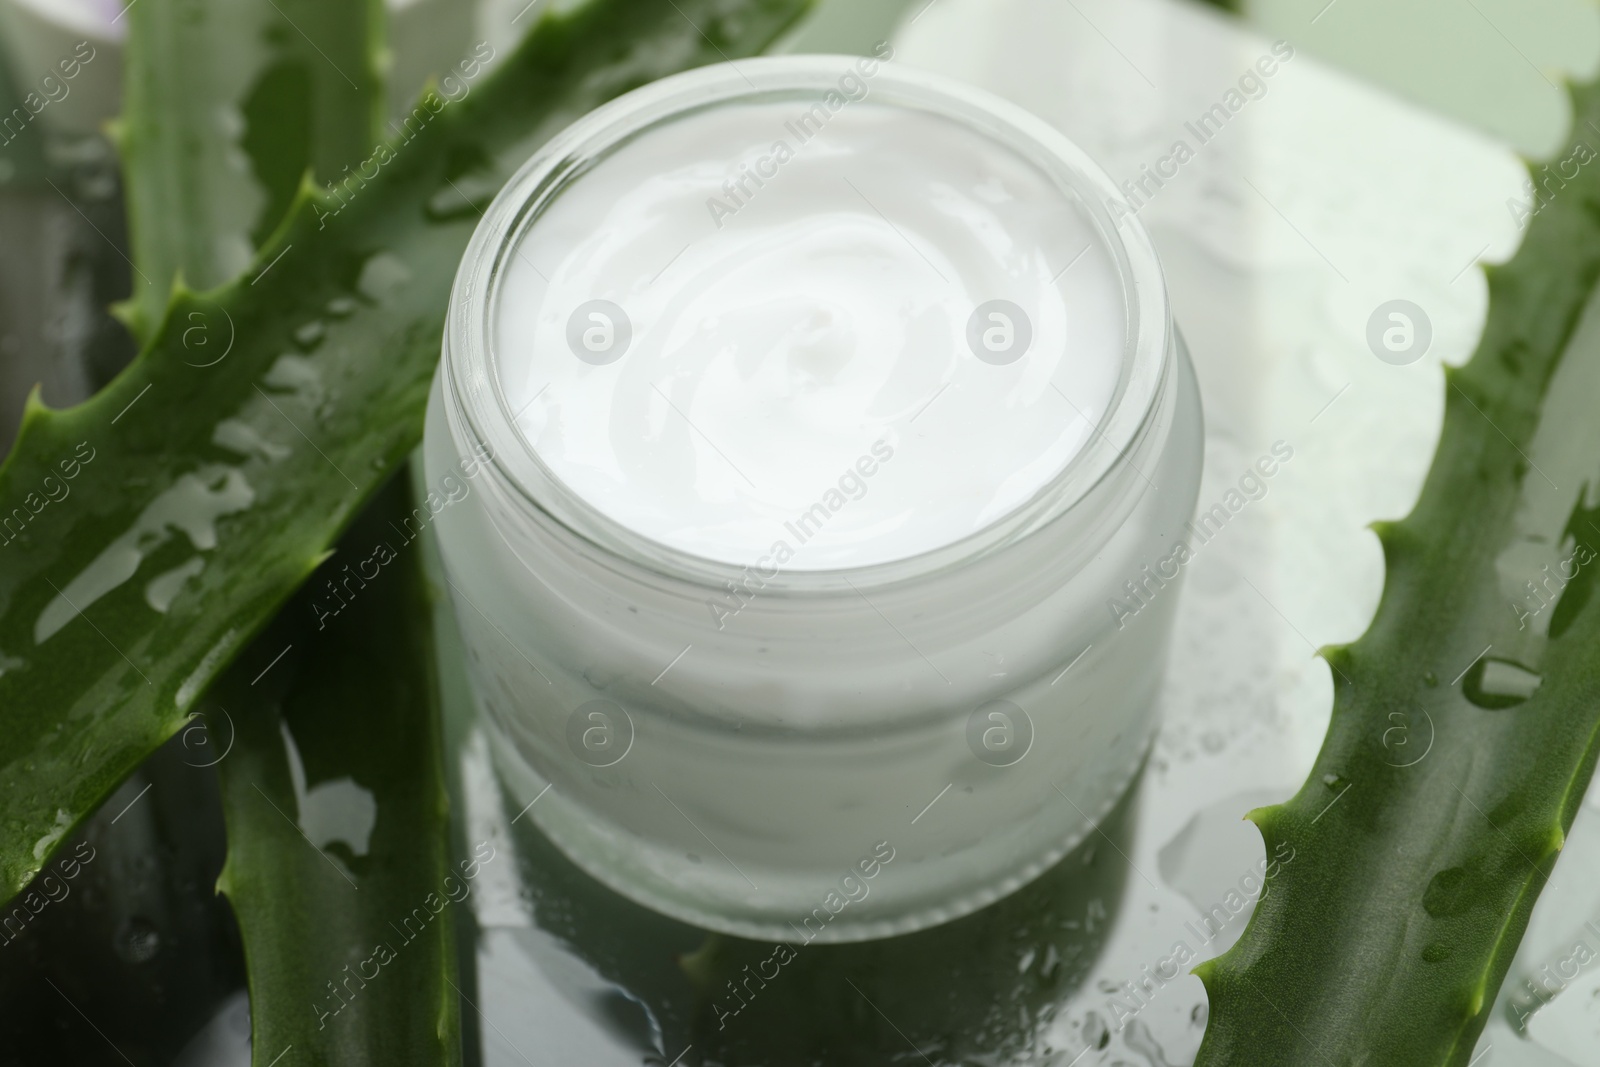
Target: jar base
[{"x": 601, "y": 856}]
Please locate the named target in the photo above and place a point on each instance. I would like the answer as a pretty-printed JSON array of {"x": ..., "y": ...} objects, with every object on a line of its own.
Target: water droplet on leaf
[
  {"x": 1448, "y": 893},
  {"x": 138, "y": 940},
  {"x": 1499, "y": 683},
  {"x": 1095, "y": 1032},
  {"x": 310, "y": 335}
]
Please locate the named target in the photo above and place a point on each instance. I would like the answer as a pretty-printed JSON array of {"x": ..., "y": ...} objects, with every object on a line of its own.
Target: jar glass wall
[{"x": 827, "y": 752}]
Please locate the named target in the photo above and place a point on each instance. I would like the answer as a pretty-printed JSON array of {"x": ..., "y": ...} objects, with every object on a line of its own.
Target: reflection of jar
[{"x": 950, "y": 674}]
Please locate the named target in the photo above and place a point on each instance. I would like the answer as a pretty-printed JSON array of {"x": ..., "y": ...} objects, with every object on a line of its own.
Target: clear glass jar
[{"x": 871, "y": 750}]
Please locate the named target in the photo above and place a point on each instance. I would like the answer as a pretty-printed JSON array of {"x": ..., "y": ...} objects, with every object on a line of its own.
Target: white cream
[{"x": 790, "y": 333}]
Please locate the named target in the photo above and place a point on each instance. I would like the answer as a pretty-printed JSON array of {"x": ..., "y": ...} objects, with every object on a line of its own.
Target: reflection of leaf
[
  {"x": 288, "y": 86},
  {"x": 336, "y": 813},
  {"x": 277, "y": 116},
  {"x": 1388, "y": 939},
  {"x": 989, "y": 987},
  {"x": 1579, "y": 569},
  {"x": 984, "y": 988},
  {"x": 22, "y": 153},
  {"x": 336, "y": 334}
]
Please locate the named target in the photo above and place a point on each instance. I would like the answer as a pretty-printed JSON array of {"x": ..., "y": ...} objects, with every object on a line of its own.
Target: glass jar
[{"x": 870, "y": 750}]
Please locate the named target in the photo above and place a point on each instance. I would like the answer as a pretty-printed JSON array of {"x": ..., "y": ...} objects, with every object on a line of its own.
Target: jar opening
[{"x": 837, "y": 320}]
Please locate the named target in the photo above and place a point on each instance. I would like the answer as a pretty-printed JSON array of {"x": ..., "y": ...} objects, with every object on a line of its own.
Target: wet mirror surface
[
  {"x": 986, "y": 988},
  {"x": 1089, "y": 964}
]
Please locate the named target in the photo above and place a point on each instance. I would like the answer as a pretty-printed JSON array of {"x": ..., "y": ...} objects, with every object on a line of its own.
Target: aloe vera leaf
[
  {"x": 339, "y": 736},
  {"x": 228, "y": 103},
  {"x": 262, "y": 414},
  {"x": 1465, "y": 720},
  {"x": 338, "y": 865}
]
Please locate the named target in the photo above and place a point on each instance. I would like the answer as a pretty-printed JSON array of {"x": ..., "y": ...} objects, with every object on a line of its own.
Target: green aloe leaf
[
  {"x": 1465, "y": 720},
  {"x": 338, "y": 865},
  {"x": 228, "y": 104},
  {"x": 148, "y": 533},
  {"x": 332, "y": 785}
]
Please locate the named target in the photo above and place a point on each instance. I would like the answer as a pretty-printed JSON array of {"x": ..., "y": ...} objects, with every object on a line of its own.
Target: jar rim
[{"x": 475, "y": 400}]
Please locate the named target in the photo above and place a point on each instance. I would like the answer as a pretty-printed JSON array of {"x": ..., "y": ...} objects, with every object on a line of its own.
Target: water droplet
[
  {"x": 1499, "y": 683},
  {"x": 311, "y": 334},
  {"x": 163, "y": 589},
  {"x": 295, "y": 374},
  {"x": 1430, "y": 680},
  {"x": 383, "y": 275},
  {"x": 238, "y": 436},
  {"x": 192, "y": 504},
  {"x": 1095, "y": 1032},
  {"x": 97, "y": 186},
  {"x": 1448, "y": 893},
  {"x": 1140, "y": 1039},
  {"x": 341, "y": 307},
  {"x": 138, "y": 941},
  {"x": 1334, "y": 782}
]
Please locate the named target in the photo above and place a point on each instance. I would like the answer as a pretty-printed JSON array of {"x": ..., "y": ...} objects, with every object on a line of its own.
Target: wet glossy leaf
[
  {"x": 1465, "y": 720},
  {"x": 228, "y": 104},
  {"x": 338, "y": 865},
  {"x": 331, "y": 783},
  {"x": 147, "y": 534}
]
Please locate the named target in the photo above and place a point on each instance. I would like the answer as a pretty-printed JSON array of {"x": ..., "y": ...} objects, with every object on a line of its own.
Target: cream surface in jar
[
  {"x": 777, "y": 370},
  {"x": 826, "y": 409}
]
